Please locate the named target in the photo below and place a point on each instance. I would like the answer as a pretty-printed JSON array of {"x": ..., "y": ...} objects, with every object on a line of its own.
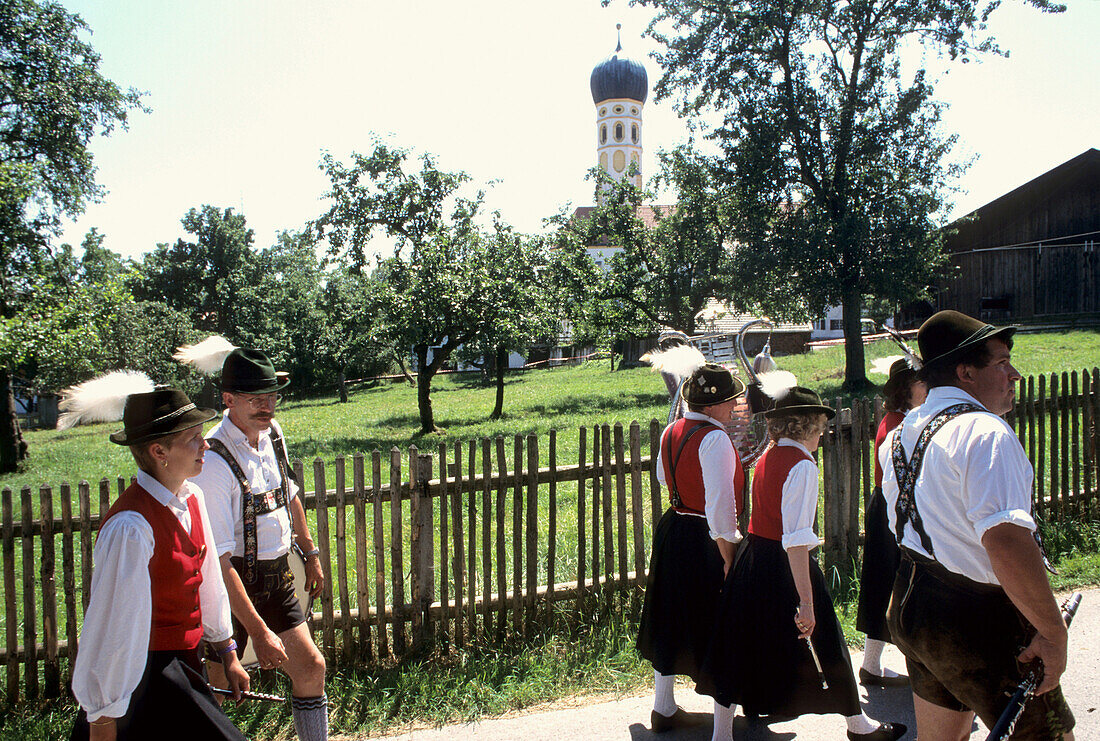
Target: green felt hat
[
  {"x": 711, "y": 384},
  {"x": 947, "y": 335},
  {"x": 157, "y": 413},
  {"x": 251, "y": 372},
  {"x": 900, "y": 375},
  {"x": 799, "y": 400}
]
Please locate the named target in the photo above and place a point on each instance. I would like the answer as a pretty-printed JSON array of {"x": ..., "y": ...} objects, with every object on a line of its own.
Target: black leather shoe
[
  {"x": 680, "y": 719},
  {"x": 867, "y": 679},
  {"x": 884, "y": 732}
]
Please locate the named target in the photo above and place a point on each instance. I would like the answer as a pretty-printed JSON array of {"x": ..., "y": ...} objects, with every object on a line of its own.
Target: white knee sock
[
  {"x": 664, "y": 698},
  {"x": 723, "y": 722},
  {"x": 872, "y": 656},
  {"x": 860, "y": 723}
]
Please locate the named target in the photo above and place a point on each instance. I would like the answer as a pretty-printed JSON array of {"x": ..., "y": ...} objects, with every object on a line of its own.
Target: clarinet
[{"x": 1026, "y": 689}]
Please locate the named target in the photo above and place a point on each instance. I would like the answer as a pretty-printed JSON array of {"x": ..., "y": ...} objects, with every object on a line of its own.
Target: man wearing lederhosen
[
  {"x": 256, "y": 515},
  {"x": 971, "y": 589}
]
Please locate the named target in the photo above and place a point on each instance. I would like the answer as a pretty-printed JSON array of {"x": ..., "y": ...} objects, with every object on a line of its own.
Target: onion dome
[{"x": 619, "y": 76}]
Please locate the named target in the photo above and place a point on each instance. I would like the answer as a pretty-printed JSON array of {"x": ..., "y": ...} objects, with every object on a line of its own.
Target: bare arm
[
  {"x": 269, "y": 649},
  {"x": 1018, "y": 565},
  {"x": 799, "y": 558},
  {"x": 727, "y": 549}
]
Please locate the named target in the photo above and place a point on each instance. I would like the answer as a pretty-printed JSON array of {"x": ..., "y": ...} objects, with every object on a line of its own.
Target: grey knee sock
[{"x": 310, "y": 717}]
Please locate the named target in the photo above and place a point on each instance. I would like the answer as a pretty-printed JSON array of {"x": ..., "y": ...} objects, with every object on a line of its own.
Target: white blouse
[
  {"x": 717, "y": 459},
  {"x": 114, "y": 642},
  {"x": 799, "y": 503}
]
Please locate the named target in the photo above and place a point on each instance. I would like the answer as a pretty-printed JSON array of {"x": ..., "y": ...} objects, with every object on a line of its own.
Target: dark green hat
[
  {"x": 946, "y": 335},
  {"x": 711, "y": 384},
  {"x": 157, "y": 413},
  {"x": 251, "y": 372},
  {"x": 900, "y": 375},
  {"x": 799, "y": 400}
]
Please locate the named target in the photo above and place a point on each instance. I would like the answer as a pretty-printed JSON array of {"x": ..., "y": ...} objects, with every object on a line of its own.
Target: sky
[{"x": 245, "y": 95}]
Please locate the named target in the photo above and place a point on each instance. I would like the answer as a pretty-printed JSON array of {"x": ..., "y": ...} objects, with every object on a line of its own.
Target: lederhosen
[
  {"x": 171, "y": 701},
  {"x": 685, "y": 569},
  {"x": 269, "y": 583},
  {"x": 959, "y": 637}
]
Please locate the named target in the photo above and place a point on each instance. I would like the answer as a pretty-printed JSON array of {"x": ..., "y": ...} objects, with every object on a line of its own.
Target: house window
[{"x": 837, "y": 325}]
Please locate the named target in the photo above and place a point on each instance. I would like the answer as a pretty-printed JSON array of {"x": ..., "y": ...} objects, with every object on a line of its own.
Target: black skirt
[
  {"x": 880, "y": 565},
  {"x": 757, "y": 659},
  {"x": 681, "y": 595},
  {"x": 171, "y": 703}
]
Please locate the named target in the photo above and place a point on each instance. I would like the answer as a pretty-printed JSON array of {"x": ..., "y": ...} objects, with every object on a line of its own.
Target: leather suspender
[
  {"x": 673, "y": 493},
  {"x": 907, "y": 472}
]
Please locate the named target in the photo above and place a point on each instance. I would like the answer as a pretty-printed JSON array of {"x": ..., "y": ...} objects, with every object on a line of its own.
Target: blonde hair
[{"x": 798, "y": 426}]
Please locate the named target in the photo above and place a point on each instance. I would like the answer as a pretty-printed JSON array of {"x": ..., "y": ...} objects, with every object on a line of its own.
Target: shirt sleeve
[
  {"x": 997, "y": 479},
  {"x": 222, "y": 496},
  {"x": 660, "y": 458},
  {"x": 799, "y": 506},
  {"x": 114, "y": 641},
  {"x": 717, "y": 459},
  {"x": 217, "y": 620}
]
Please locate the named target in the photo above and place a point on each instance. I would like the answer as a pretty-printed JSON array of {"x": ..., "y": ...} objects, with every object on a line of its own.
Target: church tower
[{"x": 619, "y": 87}]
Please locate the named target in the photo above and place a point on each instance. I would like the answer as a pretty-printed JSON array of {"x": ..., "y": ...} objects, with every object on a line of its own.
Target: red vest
[
  {"x": 174, "y": 570},
  {"x": 889, "y": 422},
  {"x": 689, "y": 472},
  {"x": 771, "y": 473}
]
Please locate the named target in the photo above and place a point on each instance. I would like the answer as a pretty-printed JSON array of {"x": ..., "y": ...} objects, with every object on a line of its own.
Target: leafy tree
[
  {"x": 99, "y": 264},
  {"x": 835, "y": 152},
  {"x": 53, "y": 101},
  {"x": 437, "y": 280}
]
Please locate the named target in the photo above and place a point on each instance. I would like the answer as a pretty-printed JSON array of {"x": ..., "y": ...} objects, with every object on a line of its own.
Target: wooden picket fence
[{"x": 490, "y": 539}]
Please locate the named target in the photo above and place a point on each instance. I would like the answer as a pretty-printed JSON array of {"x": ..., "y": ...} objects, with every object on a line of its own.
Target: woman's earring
[{"x": 165, "y": 463}]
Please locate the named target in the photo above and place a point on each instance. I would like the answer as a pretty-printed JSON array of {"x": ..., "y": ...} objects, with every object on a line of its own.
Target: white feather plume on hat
[
  {"x": 777, "y": 383},
  {"x": 207, "y": 356},
  {"x": 101, "y": 399},
  {"x": 681, "y": 360},
  {"x": 881, "y": 366}
]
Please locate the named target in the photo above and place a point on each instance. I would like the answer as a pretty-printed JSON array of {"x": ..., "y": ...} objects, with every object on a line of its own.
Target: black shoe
[
  {"x": 867, "y": 679},
  {"x": 884, "y": 732},
  {"x": 680, "y": 719}
]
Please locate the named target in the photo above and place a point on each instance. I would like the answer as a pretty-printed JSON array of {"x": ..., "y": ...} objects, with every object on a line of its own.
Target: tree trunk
[
  {"x": 12, "y": 447},
  {"x": 502, "y": 366},
  {"x": 855, "y": 372},
  {"x": 424, "y": 373},
  {"x": 342, "y": 384},
  {"x": 405, "y": 370}
]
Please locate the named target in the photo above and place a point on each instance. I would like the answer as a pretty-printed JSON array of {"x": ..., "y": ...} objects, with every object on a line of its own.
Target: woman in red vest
[
  {"x": 775, "y": 596},
  {"x": 156, "y": 593},
  {"x": 693, "y": 543},
  {"x": 902, "y": 392}
]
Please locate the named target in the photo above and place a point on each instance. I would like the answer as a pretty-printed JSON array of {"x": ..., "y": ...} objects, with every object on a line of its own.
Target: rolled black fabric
[
  {"x": 880, "y": 565},
  {"x": 756, "y": 658},
  {"x": 681, "y": 596},
  {"x": 171, "y": 703}
]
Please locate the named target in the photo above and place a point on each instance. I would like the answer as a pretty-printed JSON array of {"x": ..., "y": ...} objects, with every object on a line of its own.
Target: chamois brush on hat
[{"x": 790, "y": 398}]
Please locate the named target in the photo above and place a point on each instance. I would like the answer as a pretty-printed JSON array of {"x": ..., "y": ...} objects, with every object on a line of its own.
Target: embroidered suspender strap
[
  {"x": 673, "y": 494},
  {"x": 248, "y": 509},
  {"x": 907, "y": 472}
]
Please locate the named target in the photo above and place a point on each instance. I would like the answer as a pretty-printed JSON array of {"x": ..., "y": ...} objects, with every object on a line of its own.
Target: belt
[{"x": 941, "y": 573}]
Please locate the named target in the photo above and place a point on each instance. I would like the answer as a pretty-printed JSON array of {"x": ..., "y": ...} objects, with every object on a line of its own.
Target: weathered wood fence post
[{"x": 423, "y": 543}]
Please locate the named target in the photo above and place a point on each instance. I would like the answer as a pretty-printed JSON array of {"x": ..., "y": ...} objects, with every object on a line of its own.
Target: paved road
[{"x": 619, "y": 718}]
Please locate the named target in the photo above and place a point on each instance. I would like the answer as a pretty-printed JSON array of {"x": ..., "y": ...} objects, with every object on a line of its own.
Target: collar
[
  {"x": 704, "y": 418},
  {"x": 789, "y": 443},
  {"x": 945, "y": 396},
  {"x": 158, "y": 491}
]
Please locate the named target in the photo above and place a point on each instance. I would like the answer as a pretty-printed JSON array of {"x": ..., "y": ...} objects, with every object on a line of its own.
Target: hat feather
[
  {"x": 681, "y": 360},
  {"x": 778, "y": 383},
  {"x": 207, "y": 356},
  {"x": 881, "y": 366},
  {"x": 101, "y": 399},
  {"x": 911, "y": 357}
]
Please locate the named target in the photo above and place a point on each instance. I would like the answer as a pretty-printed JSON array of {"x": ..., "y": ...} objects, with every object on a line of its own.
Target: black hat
[
  {"x": 711, "y": 384},
  {"x": 900, "y": 375},
  {"x": 948, "y": 334},
  {"x": 157, "y": 413},
  {"x": 251, "y": 372},
  {"x": 799, "y": 400}
]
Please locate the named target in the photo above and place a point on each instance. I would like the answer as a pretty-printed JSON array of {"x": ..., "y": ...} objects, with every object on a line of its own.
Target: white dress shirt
[
  {"x": 718, "y": 461},
  {"x": 799, "y": 504},
  {"x": 975, "y": 476},
  {"x": 114, "y": 642},
  {"x": 223, "y": 493}
]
